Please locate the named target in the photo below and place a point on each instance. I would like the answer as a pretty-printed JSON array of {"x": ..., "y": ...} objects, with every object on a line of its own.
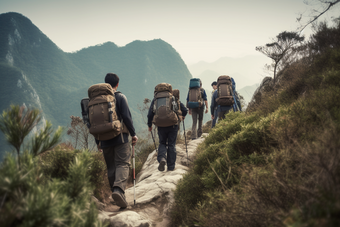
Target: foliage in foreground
[
  {"x": 18, "y": 122},
  {"x": 44, "y": 187},
  {"x": 278, "y": 164},
  {"x": 30, "y": 197}
]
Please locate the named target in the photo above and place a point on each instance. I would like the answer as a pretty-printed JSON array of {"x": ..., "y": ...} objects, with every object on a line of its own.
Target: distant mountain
[
  {"x": 206, "y": 76},
  {"x": 247, "y": 92},
  {"x": 246, "y": 71},
  {"x": 35, "y": 72}
]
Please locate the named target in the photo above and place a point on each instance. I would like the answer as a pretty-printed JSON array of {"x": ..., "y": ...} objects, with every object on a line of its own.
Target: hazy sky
[{"x": 200, "y": 30}]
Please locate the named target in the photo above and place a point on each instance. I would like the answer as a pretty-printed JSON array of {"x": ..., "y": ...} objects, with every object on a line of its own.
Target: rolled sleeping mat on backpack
[
  {"x": 163, "y": 87},
  {"x": 195, "y": 82}
]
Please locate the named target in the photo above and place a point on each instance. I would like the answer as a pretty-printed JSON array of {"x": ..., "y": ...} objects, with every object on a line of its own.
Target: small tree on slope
[
  {"x": 280, "y": 48},
  {"x": 17, "y": 122}
]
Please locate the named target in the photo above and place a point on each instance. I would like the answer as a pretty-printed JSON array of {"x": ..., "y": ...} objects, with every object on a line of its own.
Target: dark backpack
[
  {"x": 103, "y": 121},
  {"x": 195, "y": 94},
  {"x": 224, "y": 91},
  {"x": 165, "y": 106}
]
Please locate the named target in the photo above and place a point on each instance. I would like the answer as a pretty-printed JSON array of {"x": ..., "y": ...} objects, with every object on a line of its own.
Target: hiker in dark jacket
[
  {"x": 221, "y": 110},
  {"x": 197, "y": 115},
  {"x": 117, "y": 151},
  {"x": 213, "y": 114},
  {"x": 167, "y": 140}
]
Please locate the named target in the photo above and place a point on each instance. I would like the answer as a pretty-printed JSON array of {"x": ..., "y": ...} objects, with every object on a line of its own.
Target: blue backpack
[{"x": 195, "y": 94}]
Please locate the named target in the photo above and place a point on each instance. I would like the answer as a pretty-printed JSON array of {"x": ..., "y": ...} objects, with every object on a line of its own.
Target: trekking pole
[
  {"x": 134, "y": 174},
  {"x": 185, "y": 139},
  {"x": 238, "y": 98},
  {"x": 235, "y": 103},
  {"x": 153, "y": 141}
]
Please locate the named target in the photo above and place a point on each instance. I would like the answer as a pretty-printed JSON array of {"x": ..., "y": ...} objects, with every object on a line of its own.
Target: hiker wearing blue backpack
[
  {"x": 224, "y": 97},
  {"x": 196, "y": 103}
]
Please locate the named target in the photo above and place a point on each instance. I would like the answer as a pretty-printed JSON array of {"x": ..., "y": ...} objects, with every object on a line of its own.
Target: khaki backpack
[
  {"x": 224, "y": 91},
  {"x": 165, "y": 107},
  {"x": 104, "y": 122},
  {"x": 175, "y": 93}
]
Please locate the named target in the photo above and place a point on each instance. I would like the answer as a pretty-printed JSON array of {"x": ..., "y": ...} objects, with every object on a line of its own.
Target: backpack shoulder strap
[
  {"x": 117, "y": 94},
  {"x": 202, "y": 91}
]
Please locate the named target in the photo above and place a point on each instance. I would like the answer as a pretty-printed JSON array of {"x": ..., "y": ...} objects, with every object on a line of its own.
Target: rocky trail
[{"x": 154, "y": 192}]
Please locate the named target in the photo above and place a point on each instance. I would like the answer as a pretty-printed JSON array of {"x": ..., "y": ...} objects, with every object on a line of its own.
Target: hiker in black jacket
[
  {"x": 117, "y": 151},
  {"x": 167, "y": 140}
]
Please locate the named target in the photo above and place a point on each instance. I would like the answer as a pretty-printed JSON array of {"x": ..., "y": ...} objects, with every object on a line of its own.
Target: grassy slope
[{"x": 277, "y": 164}]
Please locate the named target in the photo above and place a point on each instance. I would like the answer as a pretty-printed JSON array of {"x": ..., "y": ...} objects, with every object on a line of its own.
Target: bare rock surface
[{"x": 153, "y": 192}]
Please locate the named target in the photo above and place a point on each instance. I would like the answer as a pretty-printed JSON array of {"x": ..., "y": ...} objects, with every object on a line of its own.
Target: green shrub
[
  {"x": 189, "y": 193},
  {"x": 40, "y": 186},
  {"x": 56, "y": 164},
  {"x": 298, "y": 187},
  {"x": 29, "y": 200},
  {"x": 230, "y": 125},
  {"x": 301, "y": 120},
  {"x": 246, "y": 143}
]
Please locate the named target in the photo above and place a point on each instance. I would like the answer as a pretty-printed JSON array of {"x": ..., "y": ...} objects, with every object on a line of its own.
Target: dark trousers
[
  {"x": 213, "y": 123},
  {"x": 197, "y": 115},
  {"x": 117, "y": 160},
  {"x": 167, "y": 145}
]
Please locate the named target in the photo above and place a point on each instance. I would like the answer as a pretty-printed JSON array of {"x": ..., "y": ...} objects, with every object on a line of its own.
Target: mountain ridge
[{"x": 27, "y": 56}]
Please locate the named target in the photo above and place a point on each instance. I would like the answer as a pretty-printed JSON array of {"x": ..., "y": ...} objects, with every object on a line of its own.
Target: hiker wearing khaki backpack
[
  {"x": 110, "y": 122},
  {"x": 165, "y": 113},
  {"x": 195, "y": 102},
  {"x": 223, "y": 98},
  {"x": 182, "y": 111},
  {"x": 214, "y": 114}
]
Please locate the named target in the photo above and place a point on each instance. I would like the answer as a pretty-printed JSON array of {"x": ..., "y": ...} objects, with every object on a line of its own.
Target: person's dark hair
[
  {"x": 214, "y": 83},
  {"x": 112, "y": 79}
]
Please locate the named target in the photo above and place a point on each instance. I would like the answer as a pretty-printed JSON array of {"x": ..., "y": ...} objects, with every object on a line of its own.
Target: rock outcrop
[
  {"x": 266, "y": 84},
  {"x": 154, "y": 191}
]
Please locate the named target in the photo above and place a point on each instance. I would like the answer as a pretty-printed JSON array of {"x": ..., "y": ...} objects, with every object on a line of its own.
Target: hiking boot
[
  {"x": 119, "y": 197},
  {"x": 162, "y": 164}
]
